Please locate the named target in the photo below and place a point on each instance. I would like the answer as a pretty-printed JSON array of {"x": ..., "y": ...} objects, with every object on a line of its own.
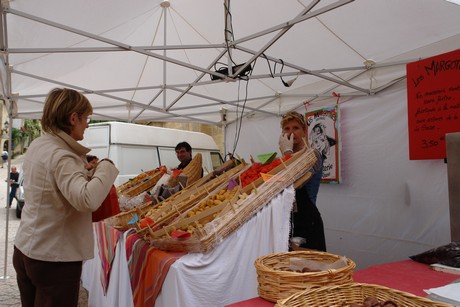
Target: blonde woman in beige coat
[{"x": 55, "y": 234}]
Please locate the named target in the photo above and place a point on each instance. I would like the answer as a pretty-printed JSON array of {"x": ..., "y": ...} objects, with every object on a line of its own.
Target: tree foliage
[{"x": 30, "y": 130}]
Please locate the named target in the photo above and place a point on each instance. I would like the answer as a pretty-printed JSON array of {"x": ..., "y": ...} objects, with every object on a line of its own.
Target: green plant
[
  {"x": 31, "y": 128},
  {"x": 16, "y": 137}
]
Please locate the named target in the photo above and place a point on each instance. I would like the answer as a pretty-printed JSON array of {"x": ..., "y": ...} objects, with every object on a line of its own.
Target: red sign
[{"x": 433, "y": 103}]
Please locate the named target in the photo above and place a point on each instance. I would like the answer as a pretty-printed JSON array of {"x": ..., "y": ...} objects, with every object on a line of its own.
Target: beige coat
[{"x": 59, "y": 198}]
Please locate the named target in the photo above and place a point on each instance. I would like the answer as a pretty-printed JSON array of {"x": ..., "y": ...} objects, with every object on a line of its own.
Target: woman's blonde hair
[
  {"x": 293, "y": 115},
  {"x": 59, "y": 106}
]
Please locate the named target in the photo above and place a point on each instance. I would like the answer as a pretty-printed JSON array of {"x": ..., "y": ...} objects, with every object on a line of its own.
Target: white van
[{"x": 135, "y": 148}]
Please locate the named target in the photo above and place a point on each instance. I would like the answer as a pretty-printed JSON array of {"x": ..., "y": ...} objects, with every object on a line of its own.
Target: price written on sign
[
  {"x": 432, "y": 143},
  {"x": 433, "y": 89}
]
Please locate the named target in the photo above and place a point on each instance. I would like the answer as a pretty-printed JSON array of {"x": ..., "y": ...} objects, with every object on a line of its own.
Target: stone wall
[{"x": 217, "y": 133}]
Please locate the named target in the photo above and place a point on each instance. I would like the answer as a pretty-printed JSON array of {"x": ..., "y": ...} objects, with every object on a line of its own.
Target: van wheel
[{"x": 19, "y": 207}]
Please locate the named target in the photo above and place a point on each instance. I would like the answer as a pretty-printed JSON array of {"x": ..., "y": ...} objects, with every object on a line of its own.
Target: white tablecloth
[{"x": 223, "y": 276}]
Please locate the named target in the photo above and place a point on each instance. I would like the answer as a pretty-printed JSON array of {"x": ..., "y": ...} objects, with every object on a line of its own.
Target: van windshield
[{"x": 216, "y": 160}]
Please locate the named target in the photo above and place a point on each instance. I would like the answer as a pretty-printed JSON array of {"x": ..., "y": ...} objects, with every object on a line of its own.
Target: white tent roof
[{"x": 152, "y": 60}]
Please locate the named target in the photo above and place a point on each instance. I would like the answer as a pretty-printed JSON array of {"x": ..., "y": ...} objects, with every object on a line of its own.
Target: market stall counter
[{"x": 117, "y": 275}]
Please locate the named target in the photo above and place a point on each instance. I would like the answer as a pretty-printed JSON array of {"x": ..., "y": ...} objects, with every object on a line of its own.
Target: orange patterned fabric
[{"x": 148, "y": 267}]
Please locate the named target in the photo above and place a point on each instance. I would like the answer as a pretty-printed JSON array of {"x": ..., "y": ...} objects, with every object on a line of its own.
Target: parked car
[{"x": 20, "y": 196}]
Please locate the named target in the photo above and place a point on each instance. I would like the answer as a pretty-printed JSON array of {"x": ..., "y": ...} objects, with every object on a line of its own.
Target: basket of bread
[{"x": 281, "y": 275}]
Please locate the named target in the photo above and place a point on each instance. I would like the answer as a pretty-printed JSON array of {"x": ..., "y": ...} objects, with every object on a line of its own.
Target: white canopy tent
[
  {"x": 156, "y": 60},
  {"x": 153, "y": 61}
]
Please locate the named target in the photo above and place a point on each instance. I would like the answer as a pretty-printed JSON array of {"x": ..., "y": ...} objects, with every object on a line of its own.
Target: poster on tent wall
[
  {"x": 433, "y": 104},
  {"x": 322, "y": 134}
]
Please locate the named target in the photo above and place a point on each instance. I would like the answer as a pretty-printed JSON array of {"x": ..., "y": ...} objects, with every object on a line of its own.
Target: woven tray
[
  {"x": 344, "y": 295},
  {"x": 204, "y": 213},
  {"x": 215, "y": 231},
  {"x": 143, "y": 186},
  {"x": 275, "y": 284},
  {"x": 135, "y": 181},
  {"x": 168, "y": 211},
  {"x": 286, "y": 174},
  {"x": 120, "y": 221}
]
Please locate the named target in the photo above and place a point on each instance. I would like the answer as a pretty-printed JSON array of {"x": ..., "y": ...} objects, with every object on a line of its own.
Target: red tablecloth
[
  {"x": 253, "y": 302},
  {"x": 406, "y": 275}
]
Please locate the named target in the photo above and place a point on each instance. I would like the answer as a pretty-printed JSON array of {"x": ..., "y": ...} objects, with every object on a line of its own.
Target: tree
[
  {"x": 30, "y": 130},
  {"x": 16, "y": 138}
]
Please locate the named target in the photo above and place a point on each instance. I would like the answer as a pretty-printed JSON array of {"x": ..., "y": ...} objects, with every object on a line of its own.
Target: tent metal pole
[
  {"x": 4, "y": 42},
  {"x": 112, "y": 49},
  {"x": 225, "y": 140},
  {"x": 8, "y": 190},
  {"x": 228, "y": 34},
  {"x": 164, "y": 5}
]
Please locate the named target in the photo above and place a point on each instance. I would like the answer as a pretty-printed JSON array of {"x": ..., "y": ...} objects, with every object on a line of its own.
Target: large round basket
[
  {"x": 355, "y": 293},
  {"x": 275, "y": 284}
]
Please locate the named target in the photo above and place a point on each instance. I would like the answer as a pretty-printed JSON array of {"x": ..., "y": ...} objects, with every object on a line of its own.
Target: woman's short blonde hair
[
  {"x": 293, "y": 115},
  {"x": 59, "y": 106}
]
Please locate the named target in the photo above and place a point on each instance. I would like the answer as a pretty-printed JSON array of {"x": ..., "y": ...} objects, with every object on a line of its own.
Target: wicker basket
[
  {"x": 145, "y": 185},
  {"x": 135, "y": 181},
  {"x": 120, "y": 221},
  {"x": 167, "y": 211},
  {"x": 344, "y": 295},
  {"x": 217, "y": 230},
  {"x": 275, "y": 284}
]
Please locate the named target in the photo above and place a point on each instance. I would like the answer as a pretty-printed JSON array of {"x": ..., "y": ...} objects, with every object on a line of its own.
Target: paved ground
[{"x": 9, "y": 293}]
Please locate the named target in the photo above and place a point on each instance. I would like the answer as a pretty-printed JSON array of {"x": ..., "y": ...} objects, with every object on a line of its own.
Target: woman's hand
[{"x": 286, "y": 143}]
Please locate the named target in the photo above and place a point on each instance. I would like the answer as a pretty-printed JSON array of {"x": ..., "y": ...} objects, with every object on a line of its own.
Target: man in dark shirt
[{"x": 14, "y": 184}]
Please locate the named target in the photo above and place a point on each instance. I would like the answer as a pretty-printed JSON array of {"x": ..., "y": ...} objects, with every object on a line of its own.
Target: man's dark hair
[{"x": 184, "y": 145}]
